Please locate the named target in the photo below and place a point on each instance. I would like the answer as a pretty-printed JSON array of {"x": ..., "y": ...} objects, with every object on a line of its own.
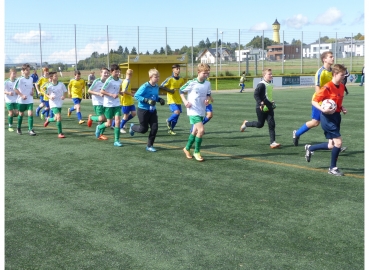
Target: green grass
[{"x": 80, "y": 203}]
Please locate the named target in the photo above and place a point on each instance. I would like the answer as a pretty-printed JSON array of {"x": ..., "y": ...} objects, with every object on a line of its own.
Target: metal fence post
[
  {"x": 107, "y": 43},
  {"x": 39, "y": 25},
  {"x": 75, "y": 46},
  {"x": 192, "y": 52}
]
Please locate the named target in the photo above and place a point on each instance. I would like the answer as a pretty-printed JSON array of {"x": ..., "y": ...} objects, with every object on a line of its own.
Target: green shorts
[
  {"x": 194, "y": 119},
  {"x": 25, "y": 107},
  {"x": 11, "y": 106},
  {"x": 56, "y": 110},
  {"x": 110, "y": 112},
  {"x": 99, "y": 109}
]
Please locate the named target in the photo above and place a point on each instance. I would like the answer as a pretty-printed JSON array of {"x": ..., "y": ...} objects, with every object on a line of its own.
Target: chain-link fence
[{"x": 86, "y": 47}]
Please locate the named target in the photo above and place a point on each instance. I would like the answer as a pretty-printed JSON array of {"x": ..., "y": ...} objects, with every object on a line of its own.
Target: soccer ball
[{"x": 328, "y": 104}]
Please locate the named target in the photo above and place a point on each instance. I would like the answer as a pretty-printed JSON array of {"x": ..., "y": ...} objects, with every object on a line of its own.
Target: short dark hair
[
  {"x": 114, "y": 67},
  {"x": 77, "y": 72},
  {"x": 176, "y": 66},
  {"x": 51, "y": 73},
  {"x": 25, "y": 66}
]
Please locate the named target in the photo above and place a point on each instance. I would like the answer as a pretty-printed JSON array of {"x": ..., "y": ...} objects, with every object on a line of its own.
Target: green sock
[
  {"x": 10, "y": 120},
  {"x": 116, "y": 134},
  {"x": 20, "y": 119},
  {"x": 102, "y": 126},
  {"x": 191, "y": 140},
  {"x": 51, "y": 119},
  {"x": 197, "y": 144},
  {"x": 59, "y": 125},
  {"x": 30, "y": 122},
  {"x": 102, "y": 131},
  {"x": 95, "y": 118}
]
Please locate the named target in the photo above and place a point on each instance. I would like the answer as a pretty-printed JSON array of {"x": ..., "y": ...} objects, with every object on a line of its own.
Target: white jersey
[
  {"x": 197, "y": 94},
  {"x": 9, "y": 87},
  {"x": 56, "y": 91},
  {"x": 24, "y": 85},
  {"x": 113, "y": 87},
  {"x": 96, "y": 87}
]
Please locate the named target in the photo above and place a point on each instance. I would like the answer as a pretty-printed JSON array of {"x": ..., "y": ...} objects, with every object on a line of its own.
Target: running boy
[
  {"x": 11, "y": 97},
  {"x": 147, "y": 96},
  {"x": 242, "y": 81},
  {"x": 24, "y": 89},
  {"x": 126, "y": 100},
  {"x": 75, "y": 91},
  {"x": 265, "y": 106},
  {"x": 199, "y": 93},
  {"x": 55, "y": 93},
  {"x": 330, "y": 118},
  {"x": 174, "y": 82},
  {"x": 44, "y": 79}
]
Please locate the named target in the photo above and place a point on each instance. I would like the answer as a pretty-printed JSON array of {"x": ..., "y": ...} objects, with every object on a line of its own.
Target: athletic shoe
[
  {"x": 11, "y": 129},
  {"x": 343, "y": 148},
  {"x": 275, "y": 145},
  {"x": 198, "y": 156},
  {"x": 97, "y": 132},
  {"x": 308, "y": 152},
  {"x": 117, "y": 143},
  {"x": 19, "y": 131},
  {"x": 89, "y": 121},
  {"x": 171, "y": 132},
  {"x": 131, "y": 130},
  {"x": 335, "y": 171},
  {"x": 103, "y": 137},
  {"x": 169, "y": 124},
  {"x": 122, "y": 130},
  {"x": 69, "y": 112},
  {"x": 81, "y": 122},
  {"x": 150, "y": 149},
  {"x": 42, "y": 116},
  {"x": 46, "y": 123},
  {"x": 61, "y": 136},
  {"x": 295, "y": 138},
  {"x": 188, "y": 153},
  {"x": 243, "y": 126},
  {"x": 31, "y": 132}
]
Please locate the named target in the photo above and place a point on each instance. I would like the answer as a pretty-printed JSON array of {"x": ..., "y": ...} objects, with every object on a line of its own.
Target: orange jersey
[{"x": 331, "y": 91}]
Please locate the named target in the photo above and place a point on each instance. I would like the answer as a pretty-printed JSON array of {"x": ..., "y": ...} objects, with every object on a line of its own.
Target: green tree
[
  {"x": 207, "y": 43},
  {"x": 147, "y": 53},
  {"x": 162, "y": 51},
  {"x": 120, "y": 50},
  {"x": 256, "y": 42},
  {"x": 126, "y": 51},
  {"x": 169, "y": 50},
  {"x": 155, "y": 52},
  {"x": 202, "y": 44},
  {"x": 133, "y": 51}
]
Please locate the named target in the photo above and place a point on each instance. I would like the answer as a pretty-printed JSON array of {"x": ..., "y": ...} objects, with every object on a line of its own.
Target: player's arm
[
  {"x": 167, "y": 89},
  {"x": 259, "y": 98},
  {"x": 321, "y": 95}
]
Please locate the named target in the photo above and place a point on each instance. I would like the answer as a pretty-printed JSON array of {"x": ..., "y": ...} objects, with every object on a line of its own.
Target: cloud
[
  {"x": 359, "y": 19},
  {"x": 32, "y": 37},
  {"x": 260, "y": 26},
  {"x": 330, "y": 17},
  {"x": 26, "y": 58},
  {"x": 297, "y": 21}
]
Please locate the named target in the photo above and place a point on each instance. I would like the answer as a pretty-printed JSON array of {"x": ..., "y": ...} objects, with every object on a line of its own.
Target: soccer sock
[
  {"x": 191, "y": 140},
  {"x": 51, "y": 119},
  {"x": 59, "y": 125},
  {"x": 113, "y": 123},
  {"x": 95, "y": 118},
  {"x": 10, "y": 120},
  {"x": 174, "y": 121},
  {"x": 102, "y": 131},
  {"x": 205, "y": 120},
  {"x": 71, "y": 109},
  {"x": 38, "y": 110},
  {"x": 334, "y": 156},
  {"x": 172, "y": 117},
  {"x": 321, "y": 146},
  {"x": 302, "y": 130},
  {"x": 30, "y": 122},
  {"x": 102, "y": 126},
  {"x": 20, "y": 119},
  {"x": 47, "y": 113},
  {"x": 116, "y": 134},
  {"x": 51, "y": 113},
  {"x": 123, "y": 122},
  {"x": 197, "y": 144},
  {"x": 79, "y": 116}
]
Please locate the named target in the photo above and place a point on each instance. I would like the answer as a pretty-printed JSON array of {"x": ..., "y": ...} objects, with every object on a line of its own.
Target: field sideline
[{"x": 80, "y": 203}]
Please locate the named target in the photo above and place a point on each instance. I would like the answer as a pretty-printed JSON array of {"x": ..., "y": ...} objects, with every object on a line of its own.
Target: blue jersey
[{"x": 146, "y": 91}]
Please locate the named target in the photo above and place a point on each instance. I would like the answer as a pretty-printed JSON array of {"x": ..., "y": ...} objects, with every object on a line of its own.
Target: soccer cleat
[
  {"x": 150, "y": 149},
  {"x": 188, "y": 153},
  {"x": 69, "y": 112},
  {"x": 275, "y": 145},
  {"x": 171, "y": 132},
  {"x": 103, "y": 137},
  {"x": 97, "y": 132},
  {"x": 169, "y": 124},
  {"x": 81, "y": 122},
  {"x": 46, "y": 123},
  {"x": 308, "y": 152},
  {"x": 42, "y": 116},
  {"x": 89, "y": 121},
  {"x": 198, "y": 156},
  {"x": 31, "y": 132},
  {"x": 295, "y": 138},
  {"x": 19, "y": 131},
  {"x": 61, "y": 136},
  {"x": 11, "y": 129},
  {"x": 243, "y": 126},
  {"x": 122, "y": 130},
  {"x": 335, "y": 171},
  {"x": 131, "y": 130},
  {"x": 343, "y": 148},
  {"x": 117, "y": 143}
]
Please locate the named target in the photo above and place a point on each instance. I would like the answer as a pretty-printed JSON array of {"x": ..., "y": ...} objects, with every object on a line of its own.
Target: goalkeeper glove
[
  {"x": 150, "y": 101},
  {"x": 161, "y": 101}
]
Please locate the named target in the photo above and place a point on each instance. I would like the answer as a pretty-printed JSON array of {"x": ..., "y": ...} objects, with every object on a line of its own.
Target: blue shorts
[
  {"x": 46, "y": 104},
  {"x": 76, "y": 101},
  {"x": 41, "y": 98},
  {"x": 209, "y": 108},
  {"x": 331, "y": 124},
  {"x": 315, "y": 113},
  {"x": 175, "y": 107},
  {"x": 128, "y": 109}
]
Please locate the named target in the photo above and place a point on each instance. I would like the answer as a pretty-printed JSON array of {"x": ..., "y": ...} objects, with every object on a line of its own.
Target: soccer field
[{"x": 81, "y": 203}]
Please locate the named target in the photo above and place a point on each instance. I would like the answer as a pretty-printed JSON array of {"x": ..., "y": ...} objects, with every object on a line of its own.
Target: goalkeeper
[{"x": 147, "y": 96}]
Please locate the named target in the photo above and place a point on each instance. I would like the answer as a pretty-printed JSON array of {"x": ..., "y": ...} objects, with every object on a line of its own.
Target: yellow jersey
[
  {"x": 126, "y": 99},
  {"x": 43, "y": 88},
  {"x": 175, "y": 84},
  {"x": 40, "y": 83},
  {"x": 322, "y": 77},
  {"x": 76, "y": 87}
]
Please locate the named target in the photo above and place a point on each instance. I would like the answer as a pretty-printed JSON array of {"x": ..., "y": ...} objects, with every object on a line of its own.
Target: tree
[
  {"x": 133, "y": 51},
  {"x": 169, "y": 50},
  {"x": 295, "y": 42},
  {"x": 162, "y": 51},
  {"x": 322, "y": 39},
  {"x": 147, "y": 53},
  {"x": 207, "y": 43},
  {"x": 202, "y": 44},
  {"x": 155, "y": 52},
  {"x": 120, "y": 50},
  {"x": 126, "y": 51},
  {"x": 256, "y": 42},
  {"x": 95, "y": 55}
]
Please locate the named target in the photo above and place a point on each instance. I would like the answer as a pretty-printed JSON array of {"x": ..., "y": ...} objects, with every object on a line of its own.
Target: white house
[
  {"x": 241, "y": 55},
  {"x": 343, "y": 49},
  {"x": 208, "y": 56}
]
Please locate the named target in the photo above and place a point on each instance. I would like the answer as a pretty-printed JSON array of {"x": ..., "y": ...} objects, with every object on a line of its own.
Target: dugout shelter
[{"x": 141, "y": 64}]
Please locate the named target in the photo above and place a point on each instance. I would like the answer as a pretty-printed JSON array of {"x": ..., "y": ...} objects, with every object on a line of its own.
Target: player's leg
[
  {"x": 271, "y": 127},
  {"x": 117, "y": 114},
  {"x": 21, "y": 108},
  {"x": 143, "y": 118},
  {"x": 314, "y": 122},
  {"x": 209, "y": 114},
  {"x": 153, "y": 123},
  {"x": 200, "y": 130},
  {"x": 30, "y": 119},
  {"x": 78, "y": 109},
  {"x": 334, "y": 157}
]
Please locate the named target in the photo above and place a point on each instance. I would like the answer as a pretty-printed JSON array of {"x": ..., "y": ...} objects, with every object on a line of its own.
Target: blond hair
[
  {"x": 12, "y": 70},
  {"x": 203, "y": 67},
  {"x": 129, "y": 71},
  {"x": 338, "y": 68},
  {"x": 153, "y": 71},
  {"x": 265, "y": 70}
]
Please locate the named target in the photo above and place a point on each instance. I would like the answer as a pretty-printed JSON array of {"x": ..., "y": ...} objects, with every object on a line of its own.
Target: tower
[{"x": 276, "y": 26}]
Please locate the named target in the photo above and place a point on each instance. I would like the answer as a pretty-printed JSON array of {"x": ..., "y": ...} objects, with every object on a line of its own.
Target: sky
[{"x": 206, "y": 17}]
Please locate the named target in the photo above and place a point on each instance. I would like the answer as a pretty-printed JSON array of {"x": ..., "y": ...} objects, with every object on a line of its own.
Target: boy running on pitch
[
  {"x": 126, "y": 100},
  {"x": 75, "y": 91},
  {"x": 11, "y": 97}
]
